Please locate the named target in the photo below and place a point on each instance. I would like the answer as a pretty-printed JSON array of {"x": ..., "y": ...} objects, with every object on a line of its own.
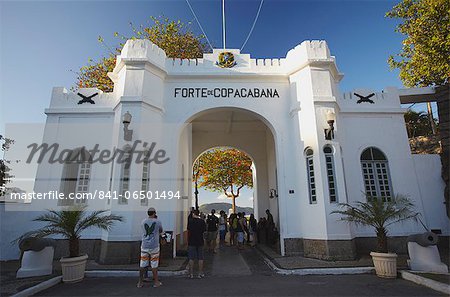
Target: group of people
[
  {"x": 201, "y": 228},
  {"x": 241, "y": 231}
]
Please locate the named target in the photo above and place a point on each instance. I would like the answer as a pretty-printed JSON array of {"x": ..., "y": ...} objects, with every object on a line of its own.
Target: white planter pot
[
  {"x": 385, "y": 264},
  {"x": 73, "y": 268}
]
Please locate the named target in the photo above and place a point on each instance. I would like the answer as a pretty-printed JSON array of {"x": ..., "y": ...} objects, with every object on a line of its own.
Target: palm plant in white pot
[
  {"x": 70, "y": 223},
  {"x": 380, "y": 214}
]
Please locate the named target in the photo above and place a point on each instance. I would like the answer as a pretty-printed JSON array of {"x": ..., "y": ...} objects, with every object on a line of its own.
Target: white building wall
[
  {"x": 431, "y": 186},
  {"x": 307, "y": 83},
  {"x": 383, "y": 128}
]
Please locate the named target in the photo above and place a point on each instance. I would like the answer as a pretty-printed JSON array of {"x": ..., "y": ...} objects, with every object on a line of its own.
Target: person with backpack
[{"x": 212, "y": 224}]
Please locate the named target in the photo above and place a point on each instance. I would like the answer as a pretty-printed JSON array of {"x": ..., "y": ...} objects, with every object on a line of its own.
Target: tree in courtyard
[
  {"x": 224, "y": 170},
  {"x": 174, "y": 37},
  {"x": 424, "y": 57},
  {"x": 417, "y": 124}
]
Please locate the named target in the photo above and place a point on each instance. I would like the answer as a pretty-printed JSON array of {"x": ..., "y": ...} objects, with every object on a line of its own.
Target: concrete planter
[
  {"x": 385, "y": 264},
  {"x": 73, "y": 268}
]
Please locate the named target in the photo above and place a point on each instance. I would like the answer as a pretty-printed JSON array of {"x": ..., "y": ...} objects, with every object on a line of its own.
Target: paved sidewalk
[
  {"x": 244, "y": 273},
  {"x": 254, "y": 285},
  {"x": 175, "y": 264},
  {"x": 229, "y": 262},
  {"x": 298, "y": 262},
  {"x": 10, "y": 285}
]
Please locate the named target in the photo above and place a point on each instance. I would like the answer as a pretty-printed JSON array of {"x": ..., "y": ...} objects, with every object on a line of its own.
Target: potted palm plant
[
  {"x": 70, "y": 223},
  {"x": 380, "y": 215}
]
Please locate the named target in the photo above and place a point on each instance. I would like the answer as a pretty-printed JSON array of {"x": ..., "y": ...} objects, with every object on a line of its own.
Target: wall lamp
[
  {"x": 126, "y": 120},
  {"x": 273, "y": 193},
  {"x": 329, "y": 132}
]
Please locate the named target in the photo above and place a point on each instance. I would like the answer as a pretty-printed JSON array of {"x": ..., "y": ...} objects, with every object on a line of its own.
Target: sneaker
[
  {"x": 191, "y": 276},
  {"x": 201, "y": 275}
]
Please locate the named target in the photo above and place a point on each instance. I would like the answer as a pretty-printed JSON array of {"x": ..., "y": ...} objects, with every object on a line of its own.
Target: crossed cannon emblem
[
  {"x": 365, "y": 98},
  {"x": 86, "y": 99}
]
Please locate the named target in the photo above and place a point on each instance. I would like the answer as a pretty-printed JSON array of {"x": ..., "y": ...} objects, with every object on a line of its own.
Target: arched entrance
[
  {"x": 230, "y": 127},
  {"x": 244, "y": 178}
]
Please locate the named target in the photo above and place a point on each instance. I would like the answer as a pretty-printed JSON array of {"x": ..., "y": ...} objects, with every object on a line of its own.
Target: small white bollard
[
  {"x": 425, "y": 259},
  {"x": 36, "y": 263}
]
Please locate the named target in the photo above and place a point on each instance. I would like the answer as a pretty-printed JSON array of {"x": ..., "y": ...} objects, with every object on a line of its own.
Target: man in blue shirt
[{"x": 151, "y": 230}]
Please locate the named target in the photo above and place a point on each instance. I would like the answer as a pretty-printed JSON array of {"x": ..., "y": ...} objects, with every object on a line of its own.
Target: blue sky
[{"x": 41, "y": 42}]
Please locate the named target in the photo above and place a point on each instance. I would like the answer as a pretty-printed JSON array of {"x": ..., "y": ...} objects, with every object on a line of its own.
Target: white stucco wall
[
  {"x": 431, "y": 187},
  {"x": 307, "y": 84}
]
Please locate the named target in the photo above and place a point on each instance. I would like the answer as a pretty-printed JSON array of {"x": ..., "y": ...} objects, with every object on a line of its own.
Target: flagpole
[{"x": 223, "y": 23}]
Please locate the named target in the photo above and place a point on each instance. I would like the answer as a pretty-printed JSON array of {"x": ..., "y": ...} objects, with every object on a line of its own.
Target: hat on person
[{"x": 152, "y": 209}]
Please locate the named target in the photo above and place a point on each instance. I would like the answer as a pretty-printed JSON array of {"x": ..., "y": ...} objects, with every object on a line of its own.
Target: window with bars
[
  {"x": 75, "y": 176},
  {"x": 125, "y": 179},
  {"x": 310, "y": 173},
  {"x": 375, "y": 170},
  {"x": 145, "y": 180},
  {"x": 84, "y": 172},
  {"x": 331, "y": 176}
]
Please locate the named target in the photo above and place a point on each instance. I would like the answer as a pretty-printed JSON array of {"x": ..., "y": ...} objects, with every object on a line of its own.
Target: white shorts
[{"x": 149, "y": 256}]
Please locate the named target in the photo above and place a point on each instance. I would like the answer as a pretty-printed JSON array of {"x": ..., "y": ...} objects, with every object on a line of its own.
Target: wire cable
[
  {"x": 223, "y": 24},
  {"x": 198, "y": 22},
  {"x": 254, "y": 23},
  {"x": 411, "y": 105}
]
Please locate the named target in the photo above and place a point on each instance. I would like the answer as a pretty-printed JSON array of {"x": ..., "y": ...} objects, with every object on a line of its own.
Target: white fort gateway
[{"x": 312, "y": 147}]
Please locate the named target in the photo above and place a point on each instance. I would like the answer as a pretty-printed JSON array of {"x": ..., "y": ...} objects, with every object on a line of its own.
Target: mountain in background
[{"x": 206, "y": 208}]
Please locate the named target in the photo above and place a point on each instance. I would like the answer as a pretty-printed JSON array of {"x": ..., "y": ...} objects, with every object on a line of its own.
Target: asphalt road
[{"x": 228, "y": 275}]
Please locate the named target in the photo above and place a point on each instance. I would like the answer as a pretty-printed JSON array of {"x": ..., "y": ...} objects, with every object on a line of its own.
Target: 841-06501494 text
[{"x": 114, "y": 195}]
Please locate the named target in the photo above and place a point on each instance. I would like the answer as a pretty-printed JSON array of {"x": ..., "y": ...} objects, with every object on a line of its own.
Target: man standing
[
  {"x": 196, "y": 227},
  {"x": 270, "y": 227},
  {"x": 240, "y": 231},
  {"x": 151, "y": 230},
  {"x": 213, "y": 225},
  {"x": 190, "y": 213},
  {"x": 222, "y": 228}
]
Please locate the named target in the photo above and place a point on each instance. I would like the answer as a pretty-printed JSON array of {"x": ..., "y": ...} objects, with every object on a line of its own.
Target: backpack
[{"x": 235, "y": 223}]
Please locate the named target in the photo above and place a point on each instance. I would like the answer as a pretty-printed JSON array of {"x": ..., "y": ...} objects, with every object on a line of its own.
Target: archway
[
  {"x": 232, "y": 176},
  {"x": 230, "y": 127}
]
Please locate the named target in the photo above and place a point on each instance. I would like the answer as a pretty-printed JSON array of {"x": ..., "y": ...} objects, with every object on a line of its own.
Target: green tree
[
  {"x": 424, "y": 57},
  {"x": 224, "y": 170},
  {"x": 417, "y": 123},
  {"x": 5, "y": 176},
  {"x": 174, "y": 37}
]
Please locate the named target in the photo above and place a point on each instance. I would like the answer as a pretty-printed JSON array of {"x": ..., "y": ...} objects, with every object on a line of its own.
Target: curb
[
  {"x": 130, "y": 273},
  {"x": 420, "y": 280},
  {"x": 316, "y": 271},
  {"x": 39, "y": 287},
  {"x": 92, "y": 273}
]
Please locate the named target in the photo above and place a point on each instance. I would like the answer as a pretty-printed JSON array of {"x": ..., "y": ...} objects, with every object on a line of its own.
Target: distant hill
[{"x": 206, "y": 208}]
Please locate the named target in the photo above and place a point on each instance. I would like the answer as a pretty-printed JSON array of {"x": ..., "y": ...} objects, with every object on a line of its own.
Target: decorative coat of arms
[{"x": 226, "y": 60}]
